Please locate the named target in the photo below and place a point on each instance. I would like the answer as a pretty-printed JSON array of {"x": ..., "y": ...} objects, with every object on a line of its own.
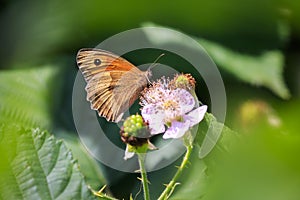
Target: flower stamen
[{"x": 170, "y": 105}]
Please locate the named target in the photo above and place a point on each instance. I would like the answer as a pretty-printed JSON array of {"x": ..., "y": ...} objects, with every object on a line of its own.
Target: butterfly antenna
[
  {"x": 153, "y": 65},
  {"x": 148, "y": 79},
  {"x": 155, "y": 62}
]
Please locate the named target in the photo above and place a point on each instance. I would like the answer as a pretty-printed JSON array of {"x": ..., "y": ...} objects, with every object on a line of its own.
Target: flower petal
[
  {"x": 177, "y": 130},
  {"x": 185, "y": 98},
  {"x": 155, "y": 118},
  {"x": 195, "y": 116},
  {"x": 128, "y": 154}
]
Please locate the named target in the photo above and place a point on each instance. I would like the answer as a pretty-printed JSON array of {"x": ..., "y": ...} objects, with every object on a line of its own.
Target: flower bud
[{"x": 184, "y": 81}]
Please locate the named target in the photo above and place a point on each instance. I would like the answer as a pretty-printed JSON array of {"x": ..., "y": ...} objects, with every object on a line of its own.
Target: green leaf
[
  {"x": 262, "y": 166},
  {"x": 28, "y": 96},
  {"x": 262, "y": 70},
  {"x": 215, "y": 136},
  {"x": 89, "y": 167},
  {"x": 37, "y": 166}
]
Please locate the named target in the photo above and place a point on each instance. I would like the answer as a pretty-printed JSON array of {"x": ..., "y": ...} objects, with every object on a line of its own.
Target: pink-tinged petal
[
  {"x": 195, "y": 116},
  {"x": 128, "y": 154},
  {"x": 185, "y": 98},
  {"x": 177, "y": 130},
  {"x": 154, "y": 117}
]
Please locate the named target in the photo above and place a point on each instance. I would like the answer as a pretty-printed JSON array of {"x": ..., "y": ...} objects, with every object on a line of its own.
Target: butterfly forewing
[
  {"x": 113, "y": 83},
  {"x": 108, "y": 61}
]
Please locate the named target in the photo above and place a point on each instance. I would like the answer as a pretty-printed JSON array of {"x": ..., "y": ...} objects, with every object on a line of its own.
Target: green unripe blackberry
[
  {"x": 135, "y": 131},
  {"x": 132, "y": 124}
]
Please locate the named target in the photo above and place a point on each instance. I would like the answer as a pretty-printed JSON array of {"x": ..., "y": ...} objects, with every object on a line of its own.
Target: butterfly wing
[{"x": 113, "y": 84}]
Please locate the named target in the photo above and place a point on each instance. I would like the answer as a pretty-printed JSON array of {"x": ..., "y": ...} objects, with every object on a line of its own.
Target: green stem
[
  {"x": 170, "y": 187},
  {"x": 107, "y": 198},
  {"x": 144, "y": 180},
  {"x": 101, "y": 194}
]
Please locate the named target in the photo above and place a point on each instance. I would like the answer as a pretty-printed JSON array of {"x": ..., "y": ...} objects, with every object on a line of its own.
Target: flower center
[{"x": 170, "y": 105}]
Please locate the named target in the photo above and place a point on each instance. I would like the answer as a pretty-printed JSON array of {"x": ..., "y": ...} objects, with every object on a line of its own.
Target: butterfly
[{"x": 113, "y": 83}]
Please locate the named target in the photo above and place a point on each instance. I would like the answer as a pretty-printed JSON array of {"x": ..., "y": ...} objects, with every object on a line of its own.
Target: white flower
[{"x": 174, "y": 107}]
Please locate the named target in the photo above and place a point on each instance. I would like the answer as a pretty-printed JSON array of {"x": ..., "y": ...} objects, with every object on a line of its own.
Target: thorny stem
[
  {"x": 101, "y": 194},
  {"x": 141, "y": 158},
  {"x": 169, "y": 188}
]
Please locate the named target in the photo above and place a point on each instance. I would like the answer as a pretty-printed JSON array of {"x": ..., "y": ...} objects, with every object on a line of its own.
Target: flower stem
[
  {"x": 141, "y": 158},
  {"x": 170, "y": 187},
  {"x": 101, "y": 194}
]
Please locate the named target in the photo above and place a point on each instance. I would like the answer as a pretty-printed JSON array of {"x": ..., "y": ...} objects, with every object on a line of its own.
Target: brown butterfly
[{"x": 113, "y": 83}]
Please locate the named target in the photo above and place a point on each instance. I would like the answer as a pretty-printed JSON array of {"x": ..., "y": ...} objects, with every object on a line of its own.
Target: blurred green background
[{"x": 254, "y": 43}]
